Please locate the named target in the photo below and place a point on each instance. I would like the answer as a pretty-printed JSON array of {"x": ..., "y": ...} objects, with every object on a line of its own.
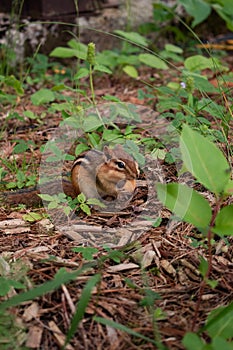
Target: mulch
[{"x": 163, "y": 259}]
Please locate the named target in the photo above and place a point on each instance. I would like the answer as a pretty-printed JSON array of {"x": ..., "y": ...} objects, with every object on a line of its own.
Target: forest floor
[{"x": 153, "y": 288}]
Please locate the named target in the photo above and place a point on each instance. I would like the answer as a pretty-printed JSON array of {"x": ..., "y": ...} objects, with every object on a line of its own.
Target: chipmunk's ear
[{"x": 108, "y": 153}]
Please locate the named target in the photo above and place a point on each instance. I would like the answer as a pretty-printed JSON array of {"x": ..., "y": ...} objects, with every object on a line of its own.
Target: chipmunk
[
  {"x": 106, "y": 174},
  {"x": 102, "y": 175}
]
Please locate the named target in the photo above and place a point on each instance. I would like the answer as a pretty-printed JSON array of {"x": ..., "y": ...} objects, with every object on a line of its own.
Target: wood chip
[
  {"x": 122, "y": 267},
  {"x": 34, "y": 337},
  {"x": 148, "y": 257},
  {"x": 31, "y": 312},
  {"x": 13, "y": 223},
  {"x": 167, "y": 266},
  {"x": 59, "y": 336},
  {"x": 45, "y": 226}
]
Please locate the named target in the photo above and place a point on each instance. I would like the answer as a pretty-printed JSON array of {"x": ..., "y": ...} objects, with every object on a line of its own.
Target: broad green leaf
[
  {"x": 134, "y": 37},
  {"x": 185, "y": 203},
  {"x": 42, "y": 96},
  {"x": 74, "y": 44},
  {"x": 173, "y": 48},
  {"x": 131, "y": 71},
  {"x": 95, "y": 201},
  {"x": 152, "y": 61},
  {"x": 87, "y": 252},
  {"x": 219, "y": 322},
  {"x": 221, "y": 343},
  {"x": 102, "y": 68},
  {"x": 82, "y": 73},
  {"x": 80, "y": 148},
  {"x": 224, "y": 221},
  {"x": 81, "y": 198},
  {"x": 204, "y": 160},
  {"x": 15, "y": 84},
  {"x": 198, "y": 9},
  {"x": 53, "y": 205},
  {"x": 228, "y": 190},
  {"x": 85, "y": 208},
  {"x": 92, "y": 122},
  {"x": 192, "y": 341},
  {"x": 64, "y": 52},
  {"x": 46, "y": 197},
  {"x": 31, "y": 217},
  {"x": 198, "y": 62},
  {"x": 203, "y": 267}
]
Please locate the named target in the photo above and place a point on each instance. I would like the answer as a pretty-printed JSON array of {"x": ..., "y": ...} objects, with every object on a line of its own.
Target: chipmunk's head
[{"x": 119, "y": 170}]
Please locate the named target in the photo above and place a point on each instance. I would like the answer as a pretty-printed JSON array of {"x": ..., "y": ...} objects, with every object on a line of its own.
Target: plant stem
[
  {"x": 91, "y": 84},
  {"x": 209, "y": 269}
]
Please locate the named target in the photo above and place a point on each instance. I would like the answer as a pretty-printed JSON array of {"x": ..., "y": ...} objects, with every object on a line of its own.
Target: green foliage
[
  {"x": 213, "y": 172},
  {"x": 186, "y": 203},
  {"x": 62, "y": 276},
  {"x": 12, "y": 334},
  {"x": 10, "y": 89},
  {"x": 201, "y": 9},
  {"x": 42, "y": 96},
  {"x": 87, "y": 252},
  {"x": 6, "y": 285},
  {"x": 219, "y": 328},
  {"x": 81, "y": 307},
  {"x": 183, "y": 100}
]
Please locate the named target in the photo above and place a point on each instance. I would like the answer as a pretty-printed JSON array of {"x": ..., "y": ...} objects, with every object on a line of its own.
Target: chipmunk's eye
[{"x": 121, "y": 165}]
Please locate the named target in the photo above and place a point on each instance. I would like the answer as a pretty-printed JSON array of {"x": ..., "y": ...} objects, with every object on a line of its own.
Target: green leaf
[
  {"x": 203, "y": 267},
  {"x": 173, "y": 48},
  {"x": 204, "y": 160},
  {"x": 198, "y": 9},
  {"x": 134, "y": 37},
  {"x": 198, "y": 62},
  {"x": 53, "y": 205},
  {"x": 81, "y": 198},
  {"x": 6, "y": 284},
  {"x": 87, "y": 252},
  {"x": 92, "y": 122},
  {"x": 131, "y": 71},
  {"x": 102, "y": 68},
  {"x": 21, "y": 147},
  {"x": 42, "y": 96},
  {"x": 82, "y": 73},
  {"x": 219, "y": 322},
  {"x": 80, "y": 148},
  {"x": 66, "y": 52},
  {"x": 82, "y": 305},
  {"x": 62, "y": 52},
  {"x": 228, "y": 190},
  {"x": 85, "y": 208},
  {"x": 224, "y": 221},
  {"x": 192, "y": 341},
  {"x": 61, "y": 277},
  {"x": 95, "y": 201},
  {"x": 152, "y": 61},
  {"x": 31, "y": 217},
  {"x": 46, "y": 197},
  {"x": 221, "y": 343},
  {"x": 186, "y": 203}
]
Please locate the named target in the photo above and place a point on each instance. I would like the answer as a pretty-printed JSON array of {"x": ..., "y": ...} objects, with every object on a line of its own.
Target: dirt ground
[{"x": 163, "y": 260}]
